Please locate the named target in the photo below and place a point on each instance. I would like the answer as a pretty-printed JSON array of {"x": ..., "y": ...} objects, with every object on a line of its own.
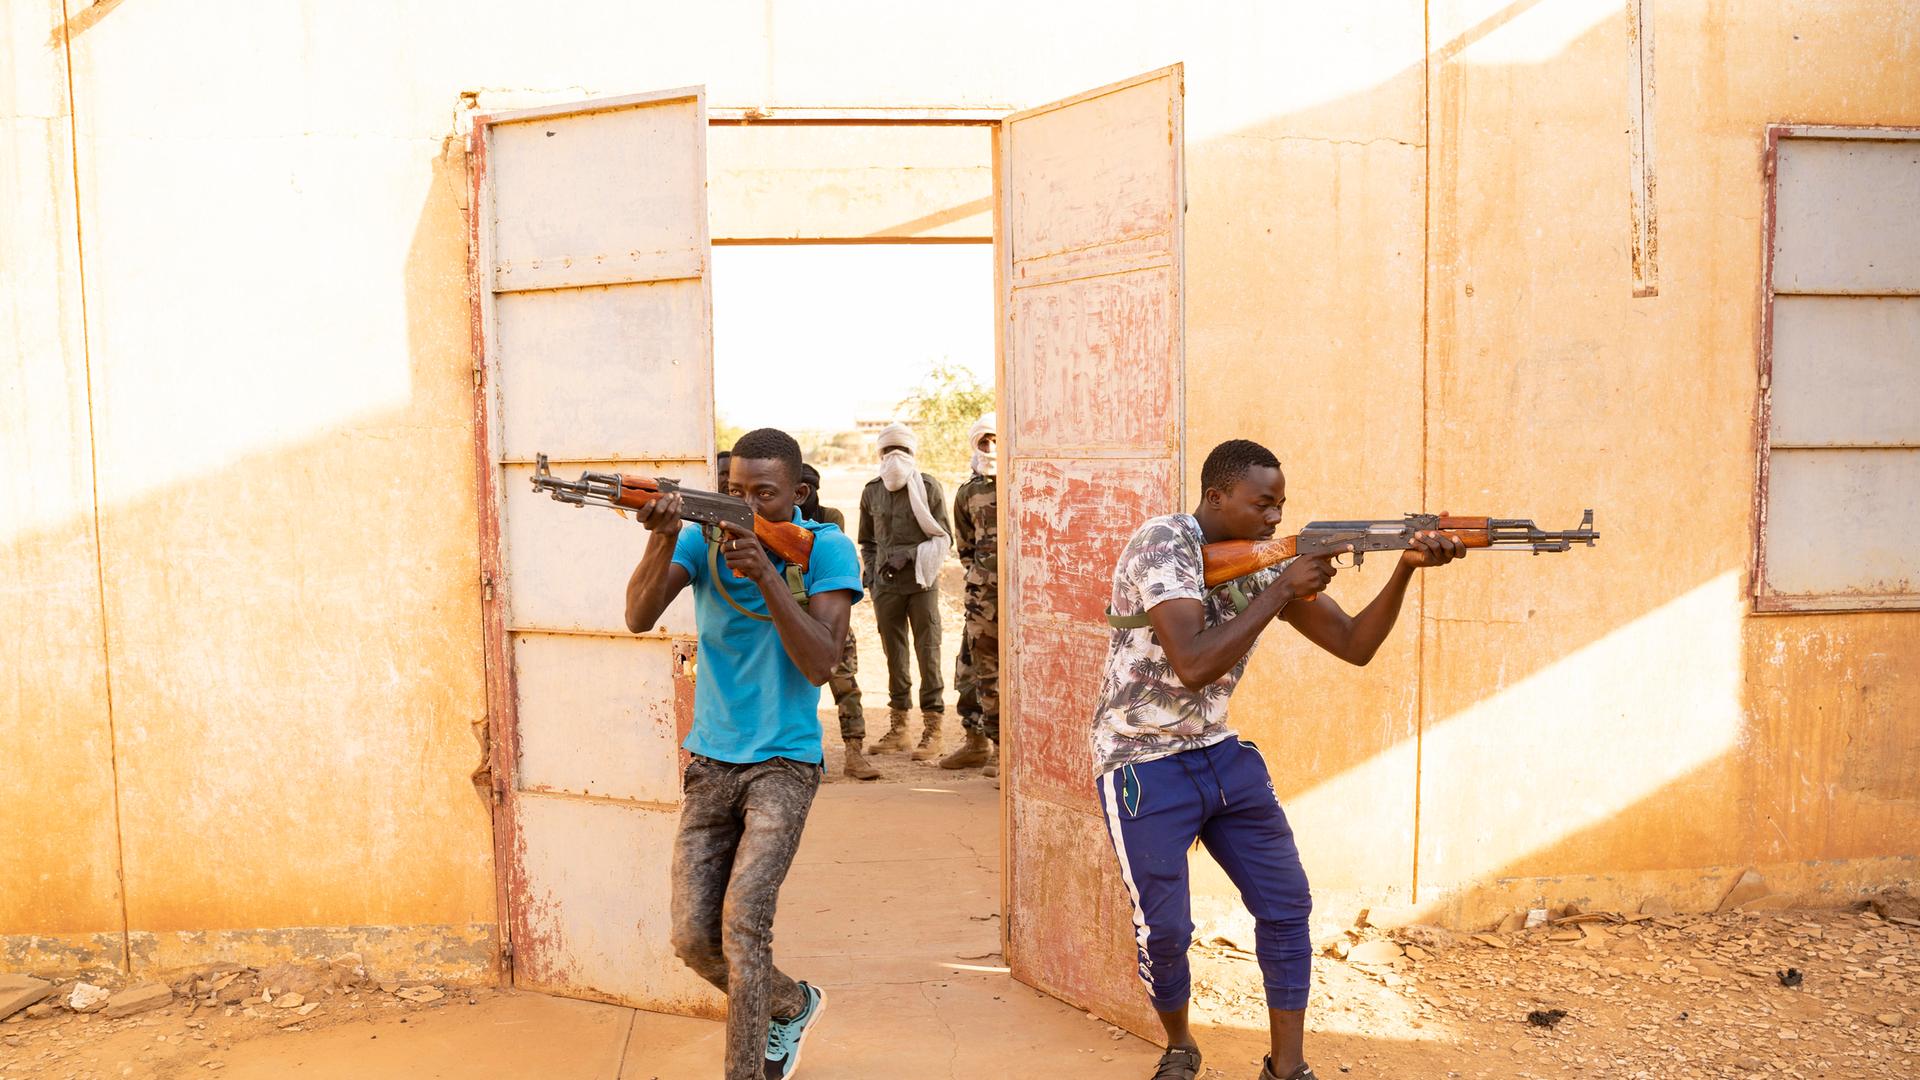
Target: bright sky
[{"x": 806, "y": 336}]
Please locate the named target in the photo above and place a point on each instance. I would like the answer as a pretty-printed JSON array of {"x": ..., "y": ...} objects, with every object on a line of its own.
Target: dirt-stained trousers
[{"x": 739, "y": 828}]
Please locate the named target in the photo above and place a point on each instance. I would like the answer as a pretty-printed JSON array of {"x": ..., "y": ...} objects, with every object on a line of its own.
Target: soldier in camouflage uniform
[
  {"x": 976, "y": 534},
  {"x": 843, "y": 682}
]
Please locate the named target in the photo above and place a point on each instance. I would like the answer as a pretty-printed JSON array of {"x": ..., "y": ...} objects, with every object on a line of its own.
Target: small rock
[
  {"x": 307, "y": 1009},
  {"x": 306, "y": 979},
  {"x": 390, "y": 987},
  {"x": 419, "y": 995},
  {"x": 19, "y": 991},
  {"x": 1415, "y": 952},
  {"x": 1374, "y": 952},
  {"x": 1891, "y": 1019},
  {"x": 289, "y": 1000},
  {"x": 1513, "y": 923},
  {"x": 348, "y": 969},
  {"x": 41, "y": 1011},
  {"x": 1896, "y": 904},
  {"x": 1750, "y": 886},
  {"x": 1427, "y": 937},
  {"x": 1536, "y": 917},
  {"x": 1657, "y": 906},
  {"x": 137, "y": 999},
  {"x": 1546, "y": 1018},
  {"x": 86, "y": 998},
  {"x": 1341, "y": 948},
  {"x": 1490, "y": 941}
]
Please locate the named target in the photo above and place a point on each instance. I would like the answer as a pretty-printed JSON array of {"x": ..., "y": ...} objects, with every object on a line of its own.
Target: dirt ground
[{"x": 893, "y": 907}]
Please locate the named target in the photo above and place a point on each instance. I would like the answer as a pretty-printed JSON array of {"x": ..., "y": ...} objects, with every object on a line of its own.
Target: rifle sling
[
  {"x": 1235, "y": 596},
  {"x": 796, "y": 584}
]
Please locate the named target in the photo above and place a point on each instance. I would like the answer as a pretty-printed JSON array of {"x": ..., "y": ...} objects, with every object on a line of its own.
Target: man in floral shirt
[{"x": 1169, "y": 769}]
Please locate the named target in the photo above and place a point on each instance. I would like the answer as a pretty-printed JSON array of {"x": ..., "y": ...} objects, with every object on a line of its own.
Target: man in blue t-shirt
[{"x": 768, "y": 640}]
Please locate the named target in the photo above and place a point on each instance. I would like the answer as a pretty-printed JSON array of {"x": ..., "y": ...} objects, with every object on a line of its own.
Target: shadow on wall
[
  {"x": 1592, "y": 727},
  {"x": 294, "y": 632}
]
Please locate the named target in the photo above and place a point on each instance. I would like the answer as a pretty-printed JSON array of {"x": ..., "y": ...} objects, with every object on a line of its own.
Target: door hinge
[{"x": 486, "y": 587}]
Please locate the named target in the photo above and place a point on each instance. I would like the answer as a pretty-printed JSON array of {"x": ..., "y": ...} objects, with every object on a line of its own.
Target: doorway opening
[
  {"x": 853, "y": 287},
  {"x": 596, "y": 297}
]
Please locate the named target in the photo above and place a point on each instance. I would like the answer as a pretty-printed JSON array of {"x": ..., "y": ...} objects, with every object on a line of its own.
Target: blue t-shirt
[{"x": 750, "y": 702}]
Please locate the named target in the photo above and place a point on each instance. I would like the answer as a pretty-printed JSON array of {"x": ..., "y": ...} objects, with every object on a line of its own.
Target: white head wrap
[
  {"x": 984, "y": 463},
  {"x": 898, "y": 435},
  {"x": 902, "y": 470}
]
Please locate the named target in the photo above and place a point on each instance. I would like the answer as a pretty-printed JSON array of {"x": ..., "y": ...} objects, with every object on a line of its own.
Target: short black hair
[
  {"x": 770, "y": 444},
  {"x": 1230, "y": 461}
]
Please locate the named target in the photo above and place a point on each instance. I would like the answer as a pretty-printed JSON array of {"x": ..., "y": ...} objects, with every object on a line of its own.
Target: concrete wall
[
  {"x": 1407, "y": 271},
  {"x": 1607, "y": 724}
]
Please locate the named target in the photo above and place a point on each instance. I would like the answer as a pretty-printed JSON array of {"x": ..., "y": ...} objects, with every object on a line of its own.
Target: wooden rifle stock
[
  {"x": 791, "y": 542},
  {"x": 1231, "y": 559}
]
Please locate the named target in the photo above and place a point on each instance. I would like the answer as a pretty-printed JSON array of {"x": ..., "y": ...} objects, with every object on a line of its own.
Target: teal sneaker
[{"x": 784, "y": 1037}]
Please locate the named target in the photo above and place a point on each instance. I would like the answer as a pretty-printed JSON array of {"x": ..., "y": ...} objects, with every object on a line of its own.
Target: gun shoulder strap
[
  {"x": 1235, "y": 596},
  {"x": 796, "y": 584}
]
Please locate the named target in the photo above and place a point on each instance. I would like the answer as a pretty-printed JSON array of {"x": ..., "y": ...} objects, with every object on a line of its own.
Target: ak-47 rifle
[
  {"x": 1231, "y": 559},
  {"x": 709, "y": 509}
]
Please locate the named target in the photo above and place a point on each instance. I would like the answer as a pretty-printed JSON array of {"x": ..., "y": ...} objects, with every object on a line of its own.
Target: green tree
[{"x": 949, "y": 399}]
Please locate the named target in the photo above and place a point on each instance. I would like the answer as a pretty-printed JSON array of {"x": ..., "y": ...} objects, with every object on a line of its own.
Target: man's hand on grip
[
  {"x": 661, "y": 515},
  {"x": 1307, "y": 576},
  {"x": 744, "y": 555}
]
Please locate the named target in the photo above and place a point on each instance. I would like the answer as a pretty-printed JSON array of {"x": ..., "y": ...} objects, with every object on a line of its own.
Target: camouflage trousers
[
  {"x": 976, "y": 671},
  {"x": 846, "y": 692}
]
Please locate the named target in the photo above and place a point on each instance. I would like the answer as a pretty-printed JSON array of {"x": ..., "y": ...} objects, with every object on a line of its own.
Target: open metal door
[
  {"x": 595, "y": 328},
  {"x": 1090, "y": 281}
]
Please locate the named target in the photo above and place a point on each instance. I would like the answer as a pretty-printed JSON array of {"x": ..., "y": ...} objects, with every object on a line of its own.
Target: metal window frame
[{"x": 1765, "y": 601}]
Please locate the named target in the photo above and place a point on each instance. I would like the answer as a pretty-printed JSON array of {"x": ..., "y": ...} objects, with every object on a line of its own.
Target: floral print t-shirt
[{"x": 1144, "y": 712}]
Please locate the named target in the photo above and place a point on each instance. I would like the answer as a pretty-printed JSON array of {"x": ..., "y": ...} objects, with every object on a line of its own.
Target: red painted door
[{"x": 1090, "y": 282}]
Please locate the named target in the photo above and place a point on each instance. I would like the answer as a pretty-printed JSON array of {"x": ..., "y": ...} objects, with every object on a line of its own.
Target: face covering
[{"x": 898, "y": 469}]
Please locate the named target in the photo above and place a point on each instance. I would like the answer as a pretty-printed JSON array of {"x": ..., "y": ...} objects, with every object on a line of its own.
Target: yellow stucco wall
[
  {"x": 277, "y": 334},
  {"x": 1603, "y": 725},
  {"x": 59, "y": 858}
]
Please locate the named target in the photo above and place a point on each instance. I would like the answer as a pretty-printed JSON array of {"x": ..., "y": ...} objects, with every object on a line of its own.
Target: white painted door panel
[{"x": 596, "y": 311}]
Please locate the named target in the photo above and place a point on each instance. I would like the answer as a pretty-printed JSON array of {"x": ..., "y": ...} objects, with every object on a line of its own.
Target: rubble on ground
[
  {"x": 102, "y": 1023},
  {"x": 1651, "y": 994}
]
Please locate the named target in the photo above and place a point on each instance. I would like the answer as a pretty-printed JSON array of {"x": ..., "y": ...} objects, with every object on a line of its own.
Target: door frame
[{"x": 496, "y": 778}]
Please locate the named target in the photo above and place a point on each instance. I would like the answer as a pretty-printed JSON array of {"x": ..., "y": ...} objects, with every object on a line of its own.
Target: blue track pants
[{"x": 1223, "y": 797}]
